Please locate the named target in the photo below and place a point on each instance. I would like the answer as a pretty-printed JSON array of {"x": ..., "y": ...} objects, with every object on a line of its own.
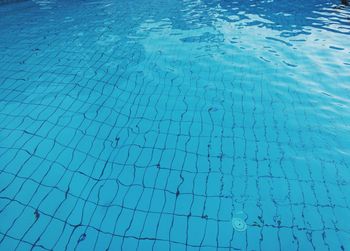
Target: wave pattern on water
[{"x": 179, "y": 125}]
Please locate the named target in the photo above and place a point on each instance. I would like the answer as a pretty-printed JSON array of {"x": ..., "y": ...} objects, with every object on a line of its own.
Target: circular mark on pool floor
[{"x": 239, "y": 224}]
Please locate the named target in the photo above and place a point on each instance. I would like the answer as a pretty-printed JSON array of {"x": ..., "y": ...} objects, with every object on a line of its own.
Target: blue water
[{"x": 174, "y": 125}]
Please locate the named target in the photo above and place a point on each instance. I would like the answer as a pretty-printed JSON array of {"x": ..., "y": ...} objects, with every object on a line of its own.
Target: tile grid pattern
[{"x": 128, "y": 156}]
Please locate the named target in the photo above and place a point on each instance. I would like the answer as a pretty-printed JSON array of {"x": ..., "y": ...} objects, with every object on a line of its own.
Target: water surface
[{"x": 174, "y": 125}]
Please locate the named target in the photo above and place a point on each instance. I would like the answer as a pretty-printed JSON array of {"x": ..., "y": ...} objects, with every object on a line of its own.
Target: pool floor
[{"x": 174, "y": 125}]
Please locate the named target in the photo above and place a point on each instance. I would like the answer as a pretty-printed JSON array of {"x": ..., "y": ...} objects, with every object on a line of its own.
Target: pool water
[{"x": 174, "y": 125}]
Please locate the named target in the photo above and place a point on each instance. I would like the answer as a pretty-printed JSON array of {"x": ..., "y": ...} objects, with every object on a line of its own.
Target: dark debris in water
[
  {"x": 36, "y": 214},
  {"x": 82, "y": 237}
]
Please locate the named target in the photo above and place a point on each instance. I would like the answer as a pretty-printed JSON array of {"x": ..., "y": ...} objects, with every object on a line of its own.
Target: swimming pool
[{"x": 174, "y": 125}]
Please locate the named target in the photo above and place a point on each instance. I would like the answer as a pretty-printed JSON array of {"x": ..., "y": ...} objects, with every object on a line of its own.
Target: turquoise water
[{"x": 174, "y": 125}]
